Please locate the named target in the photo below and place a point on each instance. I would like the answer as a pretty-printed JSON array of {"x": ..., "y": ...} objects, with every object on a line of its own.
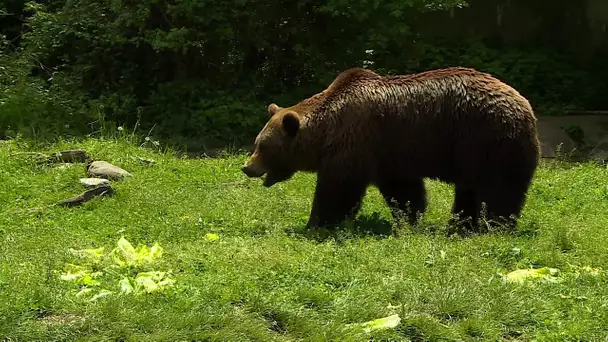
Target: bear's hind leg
[
  {"x": 504, "y": 203},
  {"x": 466, "y": 207},
  {"x": 405, "y": 196},
  {"x": 335, "y": 200}
]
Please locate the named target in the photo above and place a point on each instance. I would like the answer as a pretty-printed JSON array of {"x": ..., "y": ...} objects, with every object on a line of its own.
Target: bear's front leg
[
  {"x": 404, "y": 195},
  {"x": 336, "y": 199}
]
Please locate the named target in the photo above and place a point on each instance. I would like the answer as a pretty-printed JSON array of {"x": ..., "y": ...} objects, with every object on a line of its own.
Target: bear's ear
[
  {"x": 273, "y": 109},
  {"x": 291, "y": 123}
]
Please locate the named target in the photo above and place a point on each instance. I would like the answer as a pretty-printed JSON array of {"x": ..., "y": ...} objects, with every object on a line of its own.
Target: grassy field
[{"x": 267, "y": 279}]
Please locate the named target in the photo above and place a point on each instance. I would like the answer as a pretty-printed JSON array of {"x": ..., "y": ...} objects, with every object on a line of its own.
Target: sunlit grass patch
[{"x": 247, "y": 268}]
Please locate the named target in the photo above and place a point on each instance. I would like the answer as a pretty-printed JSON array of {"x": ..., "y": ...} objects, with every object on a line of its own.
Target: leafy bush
[
  {"x": 202, "y": 69},
  {"x": 548, "y": 79},
  {"x": 195, "y": 111},
  {"x": 203, "y": 72},
  {"x": 36, "y": 107}
]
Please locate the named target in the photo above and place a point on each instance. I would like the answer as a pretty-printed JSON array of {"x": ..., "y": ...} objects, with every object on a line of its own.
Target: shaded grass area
[{"x": 268, "y": 279}]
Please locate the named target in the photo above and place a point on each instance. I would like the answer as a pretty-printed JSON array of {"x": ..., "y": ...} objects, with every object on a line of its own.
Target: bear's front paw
[{"x": 313, "y": 222}]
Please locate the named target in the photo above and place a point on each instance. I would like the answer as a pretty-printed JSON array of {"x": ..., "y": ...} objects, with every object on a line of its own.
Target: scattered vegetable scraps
[
  {"x": 125, "y": 262},
  {"x": 212, "y": 237},
  {"x": 125, "y": 254},
  {"x": 521, "y": 275},
  {"x": 381, "y": 323},
  {"x": 549, "y": 274}
]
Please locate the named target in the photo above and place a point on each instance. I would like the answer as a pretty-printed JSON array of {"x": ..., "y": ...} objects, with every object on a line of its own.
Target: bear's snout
[{"x": 251, "y": 172}]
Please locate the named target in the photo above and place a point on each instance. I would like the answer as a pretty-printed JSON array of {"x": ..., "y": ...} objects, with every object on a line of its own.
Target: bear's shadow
[
  {"x": 362, "y": 226},
  {"x": 376, "y": 226}
]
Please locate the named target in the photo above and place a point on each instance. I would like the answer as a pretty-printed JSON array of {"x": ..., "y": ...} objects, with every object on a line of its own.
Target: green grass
[{"x": 268, "y": 279}]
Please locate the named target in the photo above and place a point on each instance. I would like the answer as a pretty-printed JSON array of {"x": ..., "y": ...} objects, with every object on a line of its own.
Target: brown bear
[{"x": 457, "y": 125}]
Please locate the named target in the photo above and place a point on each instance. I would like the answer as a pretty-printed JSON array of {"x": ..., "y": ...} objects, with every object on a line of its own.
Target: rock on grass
[
  {"x": 88, "y": 195},
  {"x": 93, "y": 182},
  {"x": 103, "y": 169}
]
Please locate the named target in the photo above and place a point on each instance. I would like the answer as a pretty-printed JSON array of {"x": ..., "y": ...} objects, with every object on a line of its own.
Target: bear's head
[{"x": 274, "y": 153}]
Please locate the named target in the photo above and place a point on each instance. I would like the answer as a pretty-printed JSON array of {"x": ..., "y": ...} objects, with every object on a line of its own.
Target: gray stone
[
  {"x": 104, "y": 190},
  {"x": 94, "y": 182},
  {"x": 70, "y": 156},
  {"x": 103, "y": 169}
]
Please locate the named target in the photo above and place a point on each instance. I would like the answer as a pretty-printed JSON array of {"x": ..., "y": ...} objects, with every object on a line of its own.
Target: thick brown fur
[{"x": 457, "y": 125}]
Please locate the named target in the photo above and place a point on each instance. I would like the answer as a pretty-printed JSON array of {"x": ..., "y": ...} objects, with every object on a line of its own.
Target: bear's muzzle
[{"x": 252, "y": 172}]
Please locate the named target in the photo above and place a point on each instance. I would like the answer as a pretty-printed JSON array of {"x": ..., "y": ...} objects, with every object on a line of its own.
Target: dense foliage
[{"x": 203, "y": 71}]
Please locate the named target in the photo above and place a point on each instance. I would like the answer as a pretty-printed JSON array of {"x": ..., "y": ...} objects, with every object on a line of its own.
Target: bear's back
[
  {"x": 450, "y": 118},
  {"x": 451, "y": 95}
]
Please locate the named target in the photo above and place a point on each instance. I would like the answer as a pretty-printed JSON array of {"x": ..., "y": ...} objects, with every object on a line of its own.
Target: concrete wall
[
  {"x": 553, "y": 133},
  {"x": 577, "y": 27}
]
